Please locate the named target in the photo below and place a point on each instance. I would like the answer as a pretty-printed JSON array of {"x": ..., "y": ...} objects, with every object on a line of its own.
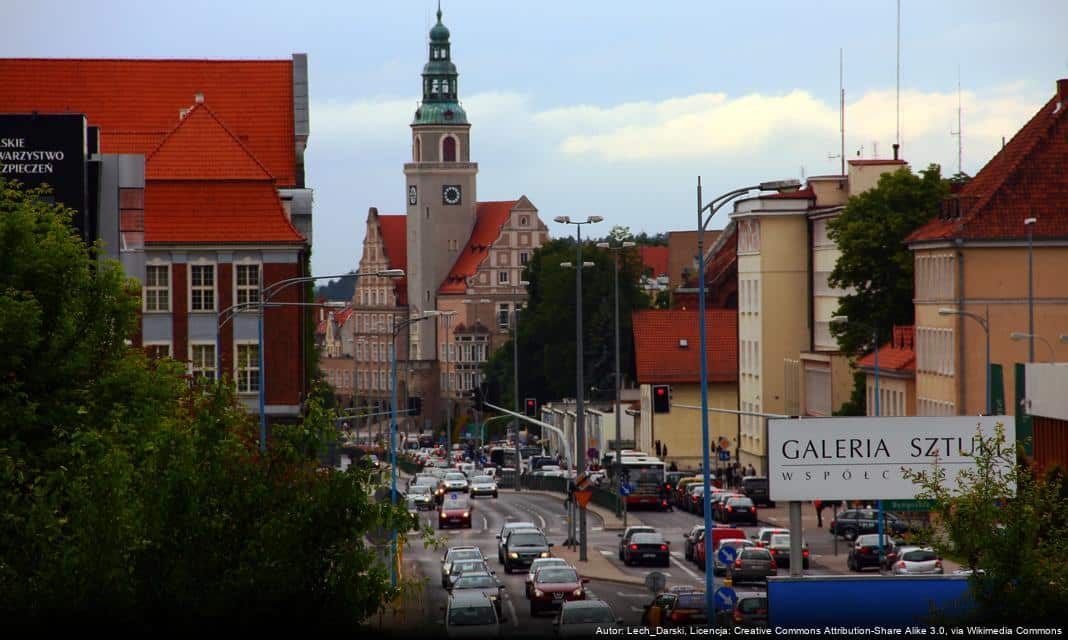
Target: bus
[
  {"x": 646, "y": 475},
  {"x": 504, "y": 457}
]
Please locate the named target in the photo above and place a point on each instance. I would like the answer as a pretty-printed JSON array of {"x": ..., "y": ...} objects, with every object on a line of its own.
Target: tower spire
[
  {"x": 441, "y": 95},
  {"x": 439, "y": 11}
]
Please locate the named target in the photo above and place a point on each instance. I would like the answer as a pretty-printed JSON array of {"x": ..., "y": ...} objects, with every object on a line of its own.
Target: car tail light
[
  {"x": 804, "y": 553},
  {"x": 738, "y": 616},
  {"x": 677, "y": 616},
  {"x": 668, "y": 487},
  {"x": 730, "y": 508},
  {"x": 772, "y": 551},
  {"x": 694, "y": 498},
  {"x": 938, "y": 563},
  {"x": 663, "y": 547},
  {"x": 864, "y": 550},
  {"x": 774, "y": 567},
  {"x": 738, "y": 563},
  {"x": 900, "y": 565},
  {"x": 633, "y": 547}
]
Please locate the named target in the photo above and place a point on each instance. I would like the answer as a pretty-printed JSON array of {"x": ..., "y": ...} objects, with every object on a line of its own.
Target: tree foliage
[
  {"x": 875, "y": 265},
  {"x": 132, "y": 498},
  {"x": 1006, "y": 524}
]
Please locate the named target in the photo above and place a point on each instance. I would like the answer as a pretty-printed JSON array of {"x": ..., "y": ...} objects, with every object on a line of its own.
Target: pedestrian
[
  {"x": 657, "y": 448},
  {"x": 750, "y": 471},
  {"x": 665, "y": 451},
  {"x": 673, "y": 467},
  {"x": 819, "y": 504},
  {"x": 719, "y": 476}
]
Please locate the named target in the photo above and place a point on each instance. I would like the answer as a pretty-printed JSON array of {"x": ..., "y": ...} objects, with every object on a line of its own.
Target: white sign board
[{"x": 863, "y": 458}]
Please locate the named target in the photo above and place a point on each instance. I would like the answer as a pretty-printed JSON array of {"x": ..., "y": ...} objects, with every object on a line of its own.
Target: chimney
[
  {"x": 198, "y": 98},
  {"x": 896, "y": 148},
  {"x": 1062, "y": 93}
]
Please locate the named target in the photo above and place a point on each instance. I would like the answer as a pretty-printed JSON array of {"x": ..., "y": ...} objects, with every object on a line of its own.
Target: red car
[
  {"x": 455, "y": 511},
  {"x": 719, "y": 533},
  {"x": 553, "y": 586}
]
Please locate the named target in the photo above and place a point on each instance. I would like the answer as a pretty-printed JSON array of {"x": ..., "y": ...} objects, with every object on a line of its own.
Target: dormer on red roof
[
  {"x": 654, "y": 260},
  {"x": 201, "y": 147},
  {"x": 490, "y": 218},
  {"x": 898, "y": 355},
  {"x": 667, "y": 344},
  {"x": 1027, "y": 178},
  {"x": 394, "y": 231}
]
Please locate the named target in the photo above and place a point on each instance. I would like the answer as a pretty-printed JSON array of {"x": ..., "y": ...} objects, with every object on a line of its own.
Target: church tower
[{"x": 440, "y": 187}]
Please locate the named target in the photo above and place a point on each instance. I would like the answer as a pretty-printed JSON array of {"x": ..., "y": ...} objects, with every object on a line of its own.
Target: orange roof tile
[
  {"x": 135, "y": 102},
  {"x": 202, "y": 148},
  {"x": 654, "y": 260},
  {"x": 191, "y": 211},
  {"x": 897, "y": 355},
  {"x": 661, "y": 359},
  {"x": 489, "y": 219},
  {"x": 394, "y": 236},
  {"x": 1027, "y": 178}
]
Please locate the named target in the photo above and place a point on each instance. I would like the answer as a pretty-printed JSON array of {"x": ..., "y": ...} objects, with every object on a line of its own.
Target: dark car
[
  {"x": 522, "y": 546},
  {"x": 739, "y": 510},
  {"x": 479, "y": 582},
  {"x": 753, "y": 564},
  {"x": 502, "y": 535},
  {"x": 552, "y": 586},
  {"x": 462, "y": 567},
  {"x": 647, "y": 548},
  {"x": 455, "y": 510},
  {"x": 624, "y": 538},
  {"x": 756, "y": 489},
  {"x": 751, "y": 610},
  {"x": 779, "y": 546},
  {"x": 675, "y": 609},
  {"x": 695, "y": 500},
  {"x": 864, "y": 552},
  {"x": 689, "y": 539},
  {"x": 855, "y": 522},
  {"x": 719, "y": 505}
]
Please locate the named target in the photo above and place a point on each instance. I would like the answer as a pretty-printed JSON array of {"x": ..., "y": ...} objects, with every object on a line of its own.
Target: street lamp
[
  {"x": 1030, "y": 224},
  {"x": 1016, "y": 336},
  {"x": 477, "y": 377},
  {"x": 984, "y": 322},
  {"x": 515, "y": 376},
  {"x": 702, "y": 223},
  {"x": 616, "y": 252},
  {"x": 266, "y": 294},
  {"x": 580, "y": 423}
]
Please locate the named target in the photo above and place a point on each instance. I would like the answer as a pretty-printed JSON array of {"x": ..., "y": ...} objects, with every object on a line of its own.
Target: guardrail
[{"x": 601, "y": 497}]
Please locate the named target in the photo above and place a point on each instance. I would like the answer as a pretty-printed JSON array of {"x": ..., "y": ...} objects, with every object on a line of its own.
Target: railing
[{"x": 601, "y": 497}]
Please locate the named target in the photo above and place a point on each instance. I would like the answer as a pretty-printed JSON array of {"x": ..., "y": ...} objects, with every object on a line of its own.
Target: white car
[
  {"x": 468, "y": 468},
  {"x": 917, "y": 561},
  {"x": 455, "y": 481},
  {"x": 483, "y": 486},
  {"x": 538, "y": 563}
]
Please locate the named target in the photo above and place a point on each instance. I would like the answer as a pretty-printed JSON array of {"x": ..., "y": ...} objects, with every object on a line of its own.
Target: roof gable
[
  {"x": 202, "y": 148},
  {"x": 655, "y": 260},
  {"x": 490, "y": 218},
  {"x": 661, "y": 358},
  {"x": 190, "y": 211},
  {"x": 393, "y": 230}
]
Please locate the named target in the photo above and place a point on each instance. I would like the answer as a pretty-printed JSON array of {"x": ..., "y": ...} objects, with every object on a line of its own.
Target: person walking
[
  {"x": 664, "y": 448},
  {"x": 750, "y": 471},
  {"x": 819, "y": 505},
  {"x": 657, "y": 448}
]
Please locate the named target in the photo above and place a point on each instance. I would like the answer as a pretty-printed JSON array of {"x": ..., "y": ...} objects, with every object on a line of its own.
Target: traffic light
[
  {"x": 476, "y": 397},
  {"x": 531, "y": 407},
  {"x": 415, "y": 406},
  {"x": 661, "y": 398}
]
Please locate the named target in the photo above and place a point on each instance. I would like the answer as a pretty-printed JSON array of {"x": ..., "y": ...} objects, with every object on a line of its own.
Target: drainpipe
[{"x": 961, "y": 375}]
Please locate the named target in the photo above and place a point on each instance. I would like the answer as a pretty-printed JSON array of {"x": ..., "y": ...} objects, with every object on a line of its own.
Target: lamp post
[
  {"x": 984, "y": 322},
  {"x": 1030, "y": 224},
  {"x": 397, "y": 326},
  {"x": 580, "y": 423},
  {"x": 702, "y": 223},
  {"x": 266, "y": 294},
  {"x": 1016, "y": 336},
  {"x": 477, "y": 375},
  {"x": 618, "y": 459},
  {"x": 515, "y": 378}
]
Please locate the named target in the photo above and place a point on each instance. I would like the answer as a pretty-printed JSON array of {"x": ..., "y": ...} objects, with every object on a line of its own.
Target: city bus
[{"x": 646, "y": 476}]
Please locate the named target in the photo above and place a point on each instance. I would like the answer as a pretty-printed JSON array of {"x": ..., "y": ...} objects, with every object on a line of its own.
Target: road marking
[
  {"x": 542, "y": 521},
  {"x": 511, "y": 611},
  {"x": 596, "y": 528},
  {"x": 605, "y": 552},
  {"x": 773, "y": 518},
  {"x": 690, "y": 572},
  {"x": 485, "y": 524},
  {"x": 676, "y": 554},
  {"x": 638, "y": 609}
]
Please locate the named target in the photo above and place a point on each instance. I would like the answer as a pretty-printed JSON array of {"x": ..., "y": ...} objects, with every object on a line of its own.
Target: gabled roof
[
  {"x": 136, "y": 102},
  {"x": 202, "y": 148},
  {"x": 1027, "y": 178},
  {"x": 202, "y": 211},
  {"x": 654, "y": 260},
  {"x": 898, "y": 355},
  {"x": 342, "y": 316},
  {"x": 490, "y": 217},
  {"x": 661, "y": 359},
  {"x": 394, "y": 238}
]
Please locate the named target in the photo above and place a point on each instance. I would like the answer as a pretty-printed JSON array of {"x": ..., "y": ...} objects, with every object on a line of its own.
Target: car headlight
[
  {"x": 467, "y": 514},
  {"x": 513, "y": 555},
  {"x": 577, "y": 592},
  {"x": 443, "y": 515},
  {"x": 493, "y": 598},
  {"x": 539, "y": 593},
  {"x": 545, "y": 554}
]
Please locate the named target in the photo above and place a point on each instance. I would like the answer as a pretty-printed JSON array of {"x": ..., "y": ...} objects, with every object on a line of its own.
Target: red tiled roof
[
  {"x": 660, "y": 358},
  {"x": 394, "y": 236},
  {"x": 877, "y": 161},
  {"x": 489, "y": 218},
  {"x": 655, "y": 260},
  {"x": 341, "y": 317},
  {"x": 136, "y": 102},
  {"x": 897, "y": 355},
  {"x": 1027, "y": 178},
  {"x": 202, "y": 148},
  {"x": 807, "y": 192},
  {"x": 215, "y": 212}
]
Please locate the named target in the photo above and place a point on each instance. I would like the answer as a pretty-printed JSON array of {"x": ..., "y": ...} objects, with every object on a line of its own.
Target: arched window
[
  {"x": 434, "y": 87},
  {"x": 448, "y": 149},
  {"x": 445, "y": 87}
]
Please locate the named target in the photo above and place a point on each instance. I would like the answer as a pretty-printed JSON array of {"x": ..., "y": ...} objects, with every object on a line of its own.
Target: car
[
  {"x": 467, "y": 468},
  {"x": 503, "y": 533},
  {"x": 753, "y": 564},
  {"x": 756, "y": 489},
  {"x": 675, "y": 609},
  {"x": 585, "y": 619},
  {"x": 460, "y": 567},
  {"x": 739, "y": 510},
  {"x": 671, "y": 479},
  {"x": 455, "y": 481},
  {"x": 851, "y": 523},
  {"x": 779, "y": 546},
  {"x": 538, "y": 563},
  {"x": 455, "y": 510},
  {"x": 694, "y": 501},
  {"x": 763, "y": 535},
  {"x": 480, "y": 582},
  {"x": 553, "y": 586},
  {"x": 917, "y": 561},
  {"x": 719, "y": 505},
  {"x": 750, "y": 611},
  {"x": 688, "y": 540},
  {"x": 682, "y": 485},
  {"x": 647, "y": 547},
  {"x": 719, "y": 568},
  {"x": 624, "y": 538},
  {"x": 483, "y": 486},
  {"x": 423, "y": 478},
  {"x": 864, "y": 552},
  {"x": 522, "y": 546},
  {"x": 422, "y": 496},
  {"x": 471, "y": 615},
  {"x": 719, "y": 534},
  {"x": 454, "y": 554}
]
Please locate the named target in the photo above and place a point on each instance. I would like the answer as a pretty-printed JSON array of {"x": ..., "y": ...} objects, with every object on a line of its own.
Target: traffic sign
[
  {"x": 727, "y": 554},
  {"x": 625, "y": 489},
  {"x": 453, "y": 496},
  {"x": 583, "y": 497},
  {"x": 724, "y": 443},
  {"x": 655, "y": 581},
  {"x": 726, "y": 598},
  {"x": 725, "y": 456},
  {"x": 908, "y": 505}
]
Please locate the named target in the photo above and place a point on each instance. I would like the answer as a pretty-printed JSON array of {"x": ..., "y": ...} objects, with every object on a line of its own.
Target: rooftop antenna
[
  {"x": 898, "y": 73},
  {"x": 841, "y": 113},
  {"x": 959, "y": 131}
]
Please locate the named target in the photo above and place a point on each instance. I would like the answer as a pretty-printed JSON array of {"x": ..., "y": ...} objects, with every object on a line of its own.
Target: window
[
  {"x": 374, "y": 352},
  {"x": 448, "y": 149},
  {"x": 524, "y": 221},
  {"x": 502, "y": 315},
  {"x": 157, "y": 350},
  {"x": 248, "y": 283},
  {"x": 524, "y": 257},
  {"x": 434, "y": 87},
  {"x": 248, "y": 367},
  {"x": 445, "y": 87},
  {"x": 502, "y": 277},
  {"x": 202, "y": 287},
  {"x": 202, "y": 360},
  {"x": 158, "y": 287}
]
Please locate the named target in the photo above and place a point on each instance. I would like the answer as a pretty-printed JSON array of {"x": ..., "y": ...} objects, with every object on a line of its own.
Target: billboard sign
[{"x": 864, "y": 458}]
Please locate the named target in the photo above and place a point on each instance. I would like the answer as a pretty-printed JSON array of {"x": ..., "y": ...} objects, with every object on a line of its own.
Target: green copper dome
[
  {"x": 440, "y": 113},
  {"x": 439, "y": 32},
  {"x": 441, "y": 94}
]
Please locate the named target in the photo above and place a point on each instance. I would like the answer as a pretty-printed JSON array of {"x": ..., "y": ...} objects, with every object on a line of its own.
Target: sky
[{"x": 607, "y": 108}]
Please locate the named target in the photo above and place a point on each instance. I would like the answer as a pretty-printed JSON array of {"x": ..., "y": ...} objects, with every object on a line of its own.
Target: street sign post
[
  {"x": 582, "y": 497},
  {"x": 626, "y": 489},
  {"x": 727, "y": 555},
  {"x": 726, "y": 598}
]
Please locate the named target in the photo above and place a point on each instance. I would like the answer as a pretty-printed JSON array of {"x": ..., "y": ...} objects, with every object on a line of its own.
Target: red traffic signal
[
  {"x": 661, "y": 398},
  {"x": 530, "y": 407}
]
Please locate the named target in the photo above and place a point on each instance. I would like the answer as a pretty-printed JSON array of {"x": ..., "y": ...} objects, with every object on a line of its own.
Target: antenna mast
[
  {"x": 899, "y": 73},
  {"x": 841, "y": 113},
  {"x": 959, "y": 132}
]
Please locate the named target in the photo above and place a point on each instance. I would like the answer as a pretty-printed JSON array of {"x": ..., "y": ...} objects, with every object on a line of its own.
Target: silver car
[
  {"x": 738, "y": 543},
  {"x": 455, "y": 481},
  {"x": 483, "y": 486},
  {"x": 917, "y": 561},
  {"x": 585, "y": 619}
]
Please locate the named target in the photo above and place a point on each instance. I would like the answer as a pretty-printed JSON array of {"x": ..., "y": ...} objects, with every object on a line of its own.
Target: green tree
[
  {"x": 1008, "y": 526},
  {"x": 876, "y": 265}
]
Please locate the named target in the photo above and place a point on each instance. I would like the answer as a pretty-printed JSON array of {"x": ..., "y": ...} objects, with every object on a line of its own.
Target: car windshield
[
  {"x": 463, "y": 554},
  {"x": 419, "y": 488},
  {"x": 469, "y": 616},
  {"x": 768, "y": 534},
  {"x": 455, "y": 476},
  {"x": 482, "y": 479},
  {"x": 467, "y": 565},
  {"x": 526, "y": 540},
  {"x": 919, "y": 555},
  {"x": 647, "y": 538},
  {"x": 755, "y": 554},
  {"x": 735, "y": 542},
  {"x": 872, "y": 540},
  {"x": 780, "y": 541},
  {"x": 637, "y": 530},
  {"x": 553, "y": 574},
  {"x": 476, "y": 582},
  {"x": 740, "y": 502},
  {"x": 587, "y": 615},
  {"x": 454, "y": 503},
  {"x": 752, "y": 605},
  {"x": 546, "y": 562}
]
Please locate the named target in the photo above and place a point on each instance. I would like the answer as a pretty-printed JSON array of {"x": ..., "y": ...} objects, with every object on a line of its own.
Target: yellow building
[{"x": 666, "y": 346}]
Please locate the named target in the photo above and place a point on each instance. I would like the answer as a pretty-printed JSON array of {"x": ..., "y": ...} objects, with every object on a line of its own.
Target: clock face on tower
[
  {"x": 413, "y": 194},
  {"x": 450, "y": 194}
]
